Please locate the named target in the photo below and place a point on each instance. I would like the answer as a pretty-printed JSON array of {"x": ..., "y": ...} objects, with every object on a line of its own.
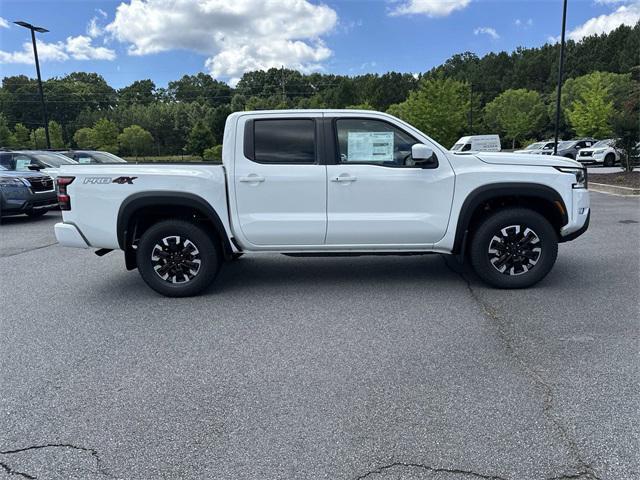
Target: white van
[{"x": 478, "y": 143}]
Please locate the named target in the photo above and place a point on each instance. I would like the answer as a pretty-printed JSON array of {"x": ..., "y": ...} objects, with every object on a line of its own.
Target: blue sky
[{"x": 128, "y": 40}]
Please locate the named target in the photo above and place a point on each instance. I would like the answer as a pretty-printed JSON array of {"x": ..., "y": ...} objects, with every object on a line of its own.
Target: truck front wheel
[
  {"x": 177, "y": 258},
  {"x": 514, "y": 248}
]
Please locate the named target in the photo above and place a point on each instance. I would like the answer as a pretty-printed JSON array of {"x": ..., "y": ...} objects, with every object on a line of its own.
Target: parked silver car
[{"x": 569, "y": 148}]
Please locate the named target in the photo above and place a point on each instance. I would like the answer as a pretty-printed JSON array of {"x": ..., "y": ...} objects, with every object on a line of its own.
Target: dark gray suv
[{"x": 28, "y": 193}]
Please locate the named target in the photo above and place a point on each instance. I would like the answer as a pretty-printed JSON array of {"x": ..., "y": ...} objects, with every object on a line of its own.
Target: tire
[
  {"x": 36, "y": 213},
  {"x": 505, "y": 231},
  {"x": 609, "y": 160},
  {"x": 196, "y": 258}
]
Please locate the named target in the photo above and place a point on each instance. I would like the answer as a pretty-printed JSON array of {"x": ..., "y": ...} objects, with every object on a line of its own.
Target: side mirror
[
  {"x": 421, "y": 153},
  {"x": 32, "y": 166}
]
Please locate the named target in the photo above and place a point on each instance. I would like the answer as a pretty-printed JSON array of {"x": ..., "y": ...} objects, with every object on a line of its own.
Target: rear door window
[{"x": 285, "y": 141}]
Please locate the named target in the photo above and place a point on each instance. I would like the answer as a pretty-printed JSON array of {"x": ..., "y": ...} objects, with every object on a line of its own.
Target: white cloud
[
  {"x": 4, "y": 23},
  {"x": 523, "y": 23},
  {"x": 431, "y": 8},
  {"x": 624, "y": 15},
  {"x": 237, "y": 36},
  {"x": 93, "y": 29},
  {"x": 78, "y": 48},
  {"x": 487, "y": 31}
]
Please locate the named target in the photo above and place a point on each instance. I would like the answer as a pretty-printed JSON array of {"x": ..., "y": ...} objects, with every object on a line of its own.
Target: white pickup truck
[{"x": 309, "y": 182}]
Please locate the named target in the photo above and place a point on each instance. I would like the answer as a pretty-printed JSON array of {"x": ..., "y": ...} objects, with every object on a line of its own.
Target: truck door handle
[
  {"x": 344, "y": 178},
  {"x": 253, "y": 178}
]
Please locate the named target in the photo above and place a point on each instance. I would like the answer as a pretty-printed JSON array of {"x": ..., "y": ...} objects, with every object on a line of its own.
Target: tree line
[{"x": 512, "y": 94}]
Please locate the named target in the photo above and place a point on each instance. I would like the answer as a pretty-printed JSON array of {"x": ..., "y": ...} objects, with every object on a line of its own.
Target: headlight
[
  {"x": 579, "y": 173},
  {"x": 12, "y": 182},
  {"x": 601, "y": 150}
]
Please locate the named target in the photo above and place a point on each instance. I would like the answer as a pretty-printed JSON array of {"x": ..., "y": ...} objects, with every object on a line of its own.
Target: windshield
[
  {"x": 535, "y": 146},
  {"x": 106, "y": 157},
  {"x": 565, "y": 145},
  {"x": 456, "y": 147},
  {"x": 54, "y": 160},
  {"x": 603, "y": 143}
]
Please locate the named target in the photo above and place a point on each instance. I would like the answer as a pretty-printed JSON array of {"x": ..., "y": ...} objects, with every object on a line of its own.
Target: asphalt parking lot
[{"x": 344, "y": 368}]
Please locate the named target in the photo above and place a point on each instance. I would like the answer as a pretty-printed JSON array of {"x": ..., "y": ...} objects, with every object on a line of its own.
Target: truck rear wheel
[
  {"x": 514, "y": 248},
  {"x": 177, "y": 258}
]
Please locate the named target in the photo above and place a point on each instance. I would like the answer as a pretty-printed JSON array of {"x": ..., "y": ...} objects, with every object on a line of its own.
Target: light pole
[
  {"x": 35, "y": 29},
  {"x": 560, "y": 71}
]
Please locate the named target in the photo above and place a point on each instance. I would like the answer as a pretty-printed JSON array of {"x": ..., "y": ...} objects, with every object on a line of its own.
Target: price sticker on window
[{"x": 370, "y": 147}]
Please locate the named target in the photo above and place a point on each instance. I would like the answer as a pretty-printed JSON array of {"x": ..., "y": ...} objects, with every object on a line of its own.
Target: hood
[
  {"x": 504, "y": 158},
  {"x": 21, "y": 173}
]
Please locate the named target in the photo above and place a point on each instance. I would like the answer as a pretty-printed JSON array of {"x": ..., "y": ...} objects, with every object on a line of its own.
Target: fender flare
[
  {"x": 495, "y": 190},
  {"x": 134, "y": 202}
]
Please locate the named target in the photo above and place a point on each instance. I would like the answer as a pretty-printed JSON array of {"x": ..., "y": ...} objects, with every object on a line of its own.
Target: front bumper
[
  {"x": 17, "y": 201},
  {"x": 68, "y": 235},
  {"x": 579, "y": 215}
]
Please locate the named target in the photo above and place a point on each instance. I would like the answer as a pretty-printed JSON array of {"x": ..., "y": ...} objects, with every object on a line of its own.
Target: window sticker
[
  {"x": 370, "y": 147},
  {"x": 22, "y": 164},
  {"x": 84, "y": 160}
]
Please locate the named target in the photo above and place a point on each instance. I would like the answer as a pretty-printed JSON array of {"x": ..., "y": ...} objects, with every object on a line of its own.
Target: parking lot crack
[
  {"x": 91, "y": 451},
  {"x": 430, "y": 469},
  {"x": 13, "y": 472},
  {"x": 586, "y": 471},
  {"x": 28, "y": 250}
]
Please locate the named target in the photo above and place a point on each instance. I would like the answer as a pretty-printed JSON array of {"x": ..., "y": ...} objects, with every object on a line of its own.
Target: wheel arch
[
  {"x": 140, "y": 210},
  {"x": 487, "y": 198}
]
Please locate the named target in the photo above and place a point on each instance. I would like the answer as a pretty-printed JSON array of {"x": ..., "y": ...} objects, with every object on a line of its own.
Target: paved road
[{"x": 370, "y": 367}]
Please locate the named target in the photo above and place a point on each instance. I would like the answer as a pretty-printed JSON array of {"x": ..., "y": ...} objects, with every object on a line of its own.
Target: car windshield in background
[
  {"x": 535, "y": 146},
  {"x": 565, "y": 145},
  {"x": 53, "y": 159},
  {"x": 456, "y": 147},
  {"x": 603, "y": 143},
  {"x": 106, "y": 157}
]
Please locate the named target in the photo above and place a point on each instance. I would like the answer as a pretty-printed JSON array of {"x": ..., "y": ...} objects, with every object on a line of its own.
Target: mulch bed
[{"x": 622, "y": 179}]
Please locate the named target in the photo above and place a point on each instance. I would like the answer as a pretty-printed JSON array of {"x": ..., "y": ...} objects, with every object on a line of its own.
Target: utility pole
[
  {"x": 35, "y": 54},
  {"x": 560, "y": 72}
]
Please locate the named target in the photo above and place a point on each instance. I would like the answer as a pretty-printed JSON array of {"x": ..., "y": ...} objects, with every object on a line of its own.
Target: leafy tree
[
  {"x": 590, "y": 114},
  {"x": 6, "y": 137},
  {"x": 213, "y": 154},
  {"x": 200, "y": 138},
  {"x": 199, "y": 88},
  {"x": 626, "y": 123},
  {"x": 140, "y": 92},
  {"x": 135, "y": 140},
  {"x": 38, "y": 138},
  {"x": 439, "y": 107},
  {"x": 515, "y": 113},
  {"x": 85, "y": 138},
  {"x": 105, "y": 135},
  {"x": 55, "y": 135},
  {"x": 361, "y": 106},
  {"x": 21, "y": 136}
]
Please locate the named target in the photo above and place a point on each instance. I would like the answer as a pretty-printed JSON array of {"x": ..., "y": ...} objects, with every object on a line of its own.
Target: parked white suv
[
  {"x": 603, "y": 152},
  {"x": 309, "y": 182}
]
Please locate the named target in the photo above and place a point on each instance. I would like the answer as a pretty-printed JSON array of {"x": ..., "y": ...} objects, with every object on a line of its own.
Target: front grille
[
  {"x": 41, "y": 184},
  {"x": 586, "y": 154}
]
